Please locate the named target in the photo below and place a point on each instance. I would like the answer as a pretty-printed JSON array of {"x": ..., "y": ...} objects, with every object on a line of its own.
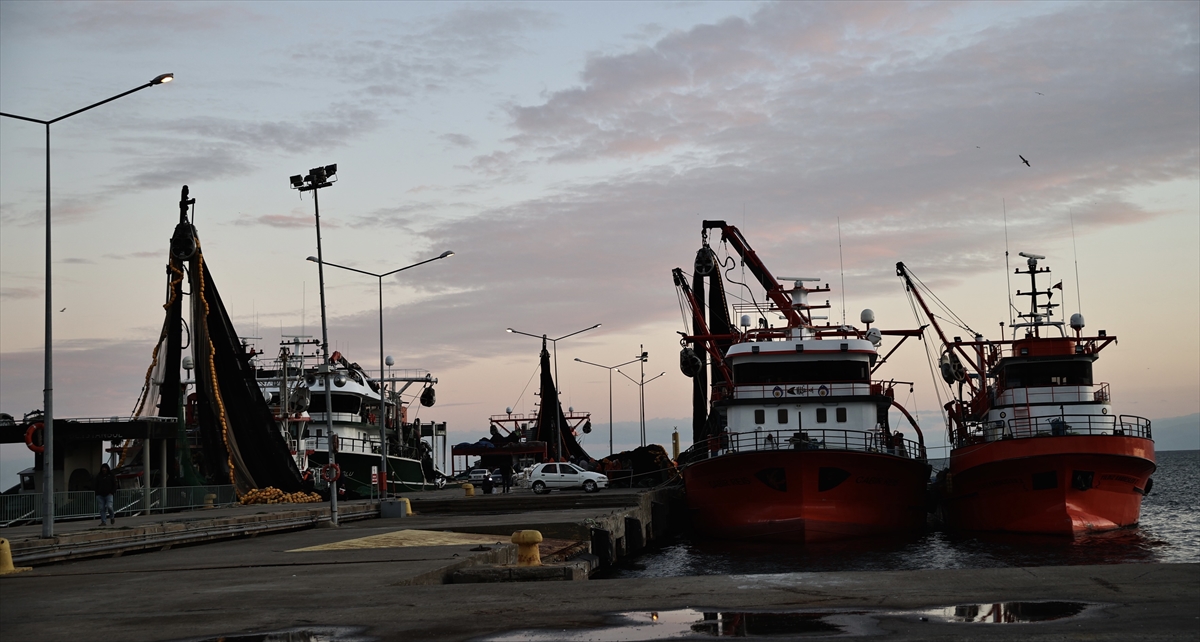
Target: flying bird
[
  {"x": 1039, "y": 93},
  {"x": 1024, "y": 161},
  {"x": 63, "y": 310}
]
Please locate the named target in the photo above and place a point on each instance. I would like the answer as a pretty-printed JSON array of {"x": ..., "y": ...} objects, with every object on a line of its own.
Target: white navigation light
[{"x": 867, "y": 316}]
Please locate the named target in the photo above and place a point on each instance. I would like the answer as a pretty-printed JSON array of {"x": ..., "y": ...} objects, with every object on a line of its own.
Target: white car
[{"x": 546, "y": 477}]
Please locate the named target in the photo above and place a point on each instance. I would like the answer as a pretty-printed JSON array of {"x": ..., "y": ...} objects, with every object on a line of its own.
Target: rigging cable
[
  {"x": 841, "y": 270},
  {"x": 1007, "y": 268},
  {"x": 1075, "y": 251}
]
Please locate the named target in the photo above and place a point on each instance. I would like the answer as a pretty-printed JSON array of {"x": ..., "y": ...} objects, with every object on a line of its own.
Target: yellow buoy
[
  {"x": 527, "y": 547},
  {"x": 6, "y": 563}
]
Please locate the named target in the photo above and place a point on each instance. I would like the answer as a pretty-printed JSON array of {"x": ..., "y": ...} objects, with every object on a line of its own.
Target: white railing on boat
[
  {"x": 1059, "y": 426},
  {"x": 819, "y": 439},
  {"x": 802, "y": 390},
  {"x": 1050, "y": 395}
]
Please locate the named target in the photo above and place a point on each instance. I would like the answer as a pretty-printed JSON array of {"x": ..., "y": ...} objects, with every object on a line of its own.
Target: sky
[{"x": 567, "y": 153}]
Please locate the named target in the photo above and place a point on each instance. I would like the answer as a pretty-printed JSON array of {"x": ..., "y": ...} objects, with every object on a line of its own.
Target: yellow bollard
[
  {"x": 470, "y": 490},
  {"x": 527, "y": 547},
  {"x": 407, "y": 505},
  {"x": 209, "y": 499},
  {"x": 6, "y": 565}
]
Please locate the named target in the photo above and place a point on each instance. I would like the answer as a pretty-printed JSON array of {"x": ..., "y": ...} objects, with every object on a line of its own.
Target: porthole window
[{"x": 841, "y": 415}]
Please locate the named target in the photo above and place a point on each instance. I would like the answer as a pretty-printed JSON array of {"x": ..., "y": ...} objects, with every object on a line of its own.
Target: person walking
[
  {"x": 106, "y": 487},
  {"x": 506, "y": 473}
]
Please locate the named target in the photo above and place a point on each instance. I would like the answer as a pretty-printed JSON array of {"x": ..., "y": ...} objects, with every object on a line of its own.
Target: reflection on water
[
  {"x": 307, "y": 634},
  {"x": 1007, "y": 612},
  {"x": 641, "y": 626},
  {"x": 1169, "y": 532}
]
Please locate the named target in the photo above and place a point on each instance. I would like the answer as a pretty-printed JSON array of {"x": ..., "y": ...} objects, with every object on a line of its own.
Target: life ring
[
  {"x": 331, "y": 472},
  {"x": 34, "y": 427}
]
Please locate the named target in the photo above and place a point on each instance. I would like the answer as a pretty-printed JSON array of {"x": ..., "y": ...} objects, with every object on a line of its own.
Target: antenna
[
  {"x": 841, "y": 269},
  {"x": 1075, "y": 251},
  {"x": 1007, "y": 269}
]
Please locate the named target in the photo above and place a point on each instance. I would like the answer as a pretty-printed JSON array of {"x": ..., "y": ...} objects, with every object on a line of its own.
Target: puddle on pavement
[
  {"x": 644, "y": 626},
  {"x": 1007, "y": 612},
  {"x": 693, "y": 623},
  {"x": 306, "y": 634}
]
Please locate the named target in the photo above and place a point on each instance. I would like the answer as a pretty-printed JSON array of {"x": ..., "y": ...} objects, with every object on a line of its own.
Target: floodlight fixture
[
  {"x": 162, "y": 78},
  {"x": 297, "y": 180}
]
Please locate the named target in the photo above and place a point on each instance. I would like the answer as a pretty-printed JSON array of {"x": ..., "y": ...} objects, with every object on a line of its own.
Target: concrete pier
[{"x": 386, "y": 579}]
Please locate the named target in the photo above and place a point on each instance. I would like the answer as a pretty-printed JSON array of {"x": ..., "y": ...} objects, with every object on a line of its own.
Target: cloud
[
  {"x": 21, "y": 293},
  {"x": 407, "y": 58},
  {"x": 282, "y": 221},
  {"x": 458, "y": 140}
]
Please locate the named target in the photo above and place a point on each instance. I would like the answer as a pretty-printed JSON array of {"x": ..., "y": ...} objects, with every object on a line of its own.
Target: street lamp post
[
  {"x": 382, "y": 401},
  {"x": 317, "y": 178},
  {"x": 610, "y": 396},
  {"x": 557, "y": 397},
  {"x": 642, "y": 389},
  {"x": 48, "y": 389}
]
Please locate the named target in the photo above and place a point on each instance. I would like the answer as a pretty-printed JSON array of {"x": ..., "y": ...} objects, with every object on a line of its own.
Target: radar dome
[
  {"x": 1077, "y": 321},
  {"x": 745, "y": 320},
  {"x": 867, "y": 316}
]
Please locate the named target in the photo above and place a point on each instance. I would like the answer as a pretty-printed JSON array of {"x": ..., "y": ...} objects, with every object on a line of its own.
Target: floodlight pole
[
  {"x": 557, "y": 396},
  {"x": 48, "y": 368},
  {"x": 316, "y": 179},
  {"x": 382, "y": 385},
  {"x": 610, "y": 396}
]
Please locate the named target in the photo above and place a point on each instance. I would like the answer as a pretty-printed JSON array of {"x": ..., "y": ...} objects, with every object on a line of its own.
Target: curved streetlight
[
  {"x": 382, "y": 404},
  {"x": 557, "y": 397},
  {"x": 610, "y": 412},
  {"x": 642, "y": 389},
  {"x": 48, "y": 390}
]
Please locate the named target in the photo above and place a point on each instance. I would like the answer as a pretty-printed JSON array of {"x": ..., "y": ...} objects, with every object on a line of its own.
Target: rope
[{"x": 213, "y": 373}]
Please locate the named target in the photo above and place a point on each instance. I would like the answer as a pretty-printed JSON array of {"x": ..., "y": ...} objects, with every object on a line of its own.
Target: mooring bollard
[
  {"x": 6, "y": 563},
  {"x": 209, "y": 499},
  {"x": 527, "y": 547},
  {"x": 470, "y": 490}
]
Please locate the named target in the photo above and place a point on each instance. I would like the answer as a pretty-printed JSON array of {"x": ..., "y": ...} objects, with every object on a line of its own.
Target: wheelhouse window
[
  {"x": 822, "y": 415},
  {"x": 760, "y": 416},
  {"x": 349, "y": 404},
  {"x": 1048, "y": 373},
  {"x": 783, "y": 415},
  {"x": 841, "y": 415},
  {"x": 800, "y": 372}
]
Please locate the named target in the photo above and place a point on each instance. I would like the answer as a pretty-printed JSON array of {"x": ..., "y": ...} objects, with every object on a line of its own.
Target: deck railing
[
  {"x": 819, "y": 439},
  {"x": 27, "y": 508},
  {"x": 1060, "y": 426}
]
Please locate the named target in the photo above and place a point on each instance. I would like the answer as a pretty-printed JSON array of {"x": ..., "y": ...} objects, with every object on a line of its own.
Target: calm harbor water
[{"x": 1169, "y": 532}]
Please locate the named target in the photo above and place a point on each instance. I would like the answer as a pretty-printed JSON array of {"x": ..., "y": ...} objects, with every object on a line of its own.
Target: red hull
[
  {"x": 1050, "y": 485},
  {"x": 805, "y": 495}
]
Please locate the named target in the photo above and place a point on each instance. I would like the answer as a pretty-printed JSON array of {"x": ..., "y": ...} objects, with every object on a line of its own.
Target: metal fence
[
  {"x": 27, "y": 508},
  {"x": 819, "y": 439},
  {"x": 1063, "y": 425}
]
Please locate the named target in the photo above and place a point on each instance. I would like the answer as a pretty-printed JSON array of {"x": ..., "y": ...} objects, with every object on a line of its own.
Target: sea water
[{"x": 1169, "y": 531}]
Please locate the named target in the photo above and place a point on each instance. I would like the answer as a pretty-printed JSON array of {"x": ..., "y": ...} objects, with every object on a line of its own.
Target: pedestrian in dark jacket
[
  {"x": 106, "y": 487},
  {"x": 506, "y": 473}
]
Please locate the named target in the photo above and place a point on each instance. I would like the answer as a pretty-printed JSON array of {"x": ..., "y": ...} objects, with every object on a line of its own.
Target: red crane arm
[{"x": 775, "y": 292}]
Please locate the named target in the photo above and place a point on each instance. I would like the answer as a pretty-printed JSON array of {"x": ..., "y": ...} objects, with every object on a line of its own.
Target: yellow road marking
[{"x": 400, "y": 539}]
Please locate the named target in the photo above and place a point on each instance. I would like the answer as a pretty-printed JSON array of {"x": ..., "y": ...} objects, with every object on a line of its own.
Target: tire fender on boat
[{"x": 34, "y": 427}]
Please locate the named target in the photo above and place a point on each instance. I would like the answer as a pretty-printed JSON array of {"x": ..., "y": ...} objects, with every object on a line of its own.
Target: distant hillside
[{"x": 1177, "y": 433}]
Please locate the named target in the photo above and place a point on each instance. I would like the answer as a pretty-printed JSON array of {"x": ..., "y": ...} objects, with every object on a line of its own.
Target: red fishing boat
[
  {"x": 792, "y": 440},
  {"x": 1036, "y": 447}
]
